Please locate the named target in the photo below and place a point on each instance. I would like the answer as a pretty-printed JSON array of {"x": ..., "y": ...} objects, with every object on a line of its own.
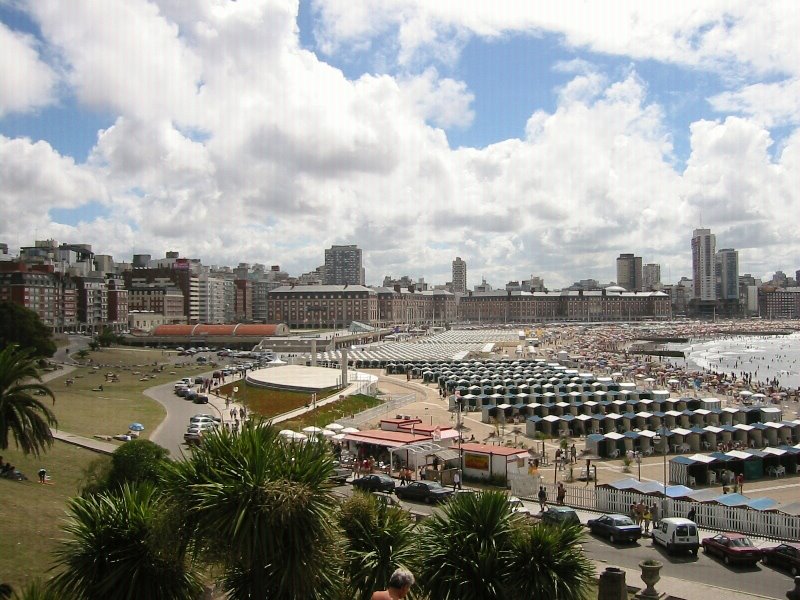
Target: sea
[{"x": 764, "y": 357}]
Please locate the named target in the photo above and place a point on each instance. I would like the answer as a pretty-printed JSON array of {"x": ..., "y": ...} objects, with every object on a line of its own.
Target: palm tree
[
  {"x": 27, "y": 418},
  {"x": 549, "y": 562},
  {"x": 475, "y": 548},
  {"x": 121, "y": 547},
  {"x": 261, "y": 507},
  {"x": 36, "y": 590},
  {"x": 467, "y": 548},
  {"x": 379, "y": 539}
]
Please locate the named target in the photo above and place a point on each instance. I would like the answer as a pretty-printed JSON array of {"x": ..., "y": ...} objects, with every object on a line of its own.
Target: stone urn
[{"x": 650, "y": 575}]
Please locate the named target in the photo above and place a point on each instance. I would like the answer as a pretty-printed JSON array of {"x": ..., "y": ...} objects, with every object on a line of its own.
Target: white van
[{"x": 677, "y": 534}]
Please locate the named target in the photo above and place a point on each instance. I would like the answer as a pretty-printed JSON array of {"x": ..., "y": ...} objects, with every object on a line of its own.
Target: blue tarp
[{"x": 732, "y": 499}]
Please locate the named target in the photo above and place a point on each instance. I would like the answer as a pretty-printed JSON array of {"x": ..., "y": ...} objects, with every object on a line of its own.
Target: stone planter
[{"x": 651, "y": 576}]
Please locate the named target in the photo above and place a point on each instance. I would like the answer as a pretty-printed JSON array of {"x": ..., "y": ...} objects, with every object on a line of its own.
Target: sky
[{"x": 527, "y": 138}]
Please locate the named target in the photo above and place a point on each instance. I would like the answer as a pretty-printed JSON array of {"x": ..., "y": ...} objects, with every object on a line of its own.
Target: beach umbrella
[
  {"x": 328, "y": 433},
  {"x": 334, "y": 427},
  {"x": 312, "y": 429},
  {"x": 136, "y": 427},
  {"x": 339, "y": 436},
  {"x": 286, "y": 432},
  {"x": 349, "y": 430}
]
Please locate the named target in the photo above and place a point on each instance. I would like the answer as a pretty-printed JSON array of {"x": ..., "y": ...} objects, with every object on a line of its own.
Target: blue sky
[{"x": 282, "y": 139}]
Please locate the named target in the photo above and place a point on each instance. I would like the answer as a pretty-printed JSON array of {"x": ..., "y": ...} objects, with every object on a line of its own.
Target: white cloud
[
  {"x": 758, "y": 35},
  {"x": 769, "y": 103},
  {"x": 241, "y": 146},
  {"x": 442, "y": 102},
  {"x": 26, "y": 82}
]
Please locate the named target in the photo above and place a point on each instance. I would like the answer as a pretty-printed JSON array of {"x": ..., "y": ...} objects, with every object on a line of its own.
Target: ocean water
[{"x": 763, "y": 357}]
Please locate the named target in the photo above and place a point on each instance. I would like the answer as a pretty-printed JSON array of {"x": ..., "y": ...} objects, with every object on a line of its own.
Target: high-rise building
[
  {"x": 704, "y": 244},
  {"x": 727, "y": 272},
  {"x": 651, "y": 277},
  {"x": 459, "y": 276},
  {"x": 629, "y": 272},
  {"x": 343, "y": 265}
]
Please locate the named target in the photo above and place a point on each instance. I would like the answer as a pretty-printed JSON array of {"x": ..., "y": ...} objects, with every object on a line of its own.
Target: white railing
[
  {"x": 378, "y": 411},
  {"x": 766, "y": 524}
]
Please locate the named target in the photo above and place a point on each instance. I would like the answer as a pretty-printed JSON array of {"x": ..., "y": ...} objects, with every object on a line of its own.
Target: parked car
[
  {"x": 190, "y": 395},
  {"x": 677, "y": 534},
  {"x": 374, "y": 483},
  {"x": 200, "y": 399},
  {"x": 732, "y": 548},
  {"x": 340, "y": 475},
  {"x": 785, "y": 555},
  {"x": 517, "y": 507},
  {"x": 558, "y": 515},
  {"x": 182, "y": 391},
  {"x": 206, "y": 416},
  {"x": 425, "y": 491},
  {"x": 617, "y": 528}
]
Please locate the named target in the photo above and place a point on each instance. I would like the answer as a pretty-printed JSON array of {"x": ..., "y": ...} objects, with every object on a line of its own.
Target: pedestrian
[
  {"x": 399, "y": 585},
  {"x": 542, "y": 498},
  {"x": 647, "y": 517},
  {"x": 241, "y": 412},
  {"x": 456, "y": 480},
  {"x": 632, "y": 513},
  {"x": 654, "y": 515},
  {"x": 561, "y": 494},
  {"x": 692, "y": 514},
  {"x": 573, "y": 453},
  {"x": 42, "y": 475},
  {"x": 740, "y": 483}
]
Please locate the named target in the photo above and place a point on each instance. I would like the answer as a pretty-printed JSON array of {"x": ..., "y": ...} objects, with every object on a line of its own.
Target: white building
[
  {"x": 459, "y": 276},
  {"x": 704, "y": 245}
]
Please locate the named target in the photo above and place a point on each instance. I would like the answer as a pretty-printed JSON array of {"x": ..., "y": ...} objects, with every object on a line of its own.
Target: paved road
[
  {"x": 169, "y": 433},
  {"x": 759, "y": 581}
]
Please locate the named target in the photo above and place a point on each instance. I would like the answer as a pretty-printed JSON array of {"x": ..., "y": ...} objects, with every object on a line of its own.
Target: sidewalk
[{"x": 84, "y": 442}]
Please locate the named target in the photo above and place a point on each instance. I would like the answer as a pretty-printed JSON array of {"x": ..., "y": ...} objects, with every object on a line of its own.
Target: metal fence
[
  {"x": 376, "y": 412},
  {"x": 766, "y": 524}
]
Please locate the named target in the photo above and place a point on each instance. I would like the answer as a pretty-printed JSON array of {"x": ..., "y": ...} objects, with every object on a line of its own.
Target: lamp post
[{"x": 656, "y": 439}]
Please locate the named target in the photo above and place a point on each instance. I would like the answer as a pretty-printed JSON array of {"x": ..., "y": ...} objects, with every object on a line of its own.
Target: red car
[
  {"x": 785, "y": 556},
  {"x": 732, "y": 548}
]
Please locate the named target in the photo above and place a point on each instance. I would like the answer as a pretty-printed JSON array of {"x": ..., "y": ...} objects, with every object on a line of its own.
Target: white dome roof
[{"x": 615, "y": 288}]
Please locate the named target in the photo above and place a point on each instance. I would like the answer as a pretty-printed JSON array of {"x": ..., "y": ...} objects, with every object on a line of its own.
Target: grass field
[
  {"x": 32, "y": 513},
  {"x": 329, "y": 413},
  {"x": 83, "y": 411},
  {"x": 270, "y": 403}
]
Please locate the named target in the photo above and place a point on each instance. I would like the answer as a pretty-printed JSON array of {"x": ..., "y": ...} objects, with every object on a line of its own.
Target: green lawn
[
  {"x": 82, "y": 411},
  {"x": 32, "y": 513},
  {"x": 332, "y": 412},
  {"x": 270, "y": 403}
]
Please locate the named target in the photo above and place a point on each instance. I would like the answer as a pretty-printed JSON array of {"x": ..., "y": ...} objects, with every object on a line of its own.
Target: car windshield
[
  {"x": 623, "y": 521},
  {"x": 741, "y": 543}
]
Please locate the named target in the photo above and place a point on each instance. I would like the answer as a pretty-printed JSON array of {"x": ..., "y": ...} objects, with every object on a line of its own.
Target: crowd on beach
[{"x": 603, "y": 349}]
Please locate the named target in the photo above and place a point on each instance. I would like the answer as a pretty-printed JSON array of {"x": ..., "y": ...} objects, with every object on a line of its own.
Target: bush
[{"x": 135, "y": 462}]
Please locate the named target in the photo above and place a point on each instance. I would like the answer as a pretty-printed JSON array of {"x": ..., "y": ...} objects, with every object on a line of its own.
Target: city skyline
[{"x": 524, "y": 140}]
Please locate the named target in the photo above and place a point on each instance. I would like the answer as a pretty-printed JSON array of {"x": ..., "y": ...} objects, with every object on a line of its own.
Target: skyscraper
[
  {"x": 459, "y": 276},
  {"x": 629, "y": 272},
  {"x": 651, "y": 276},
  {"x": 343, "y": 266},
  {"x": 727, "y": 268},
  {"x": 704, "y": 244}
]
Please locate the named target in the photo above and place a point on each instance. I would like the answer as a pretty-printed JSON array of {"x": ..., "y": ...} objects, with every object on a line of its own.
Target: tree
[
  {"x": 106, "y": 337},
  {"x": 121, "y": 546},
  {"x": 22, "y": 327},
  {"x": 475, "y": 548},
  {"x": 134, "y": 462},
  {"x": 22, "y": 415},
  {"x": 379, "y": 539},
  {"x": 261, "y": 507},
  {"x": 82, "y": 353},
  {"x": 138, "y": 461}
]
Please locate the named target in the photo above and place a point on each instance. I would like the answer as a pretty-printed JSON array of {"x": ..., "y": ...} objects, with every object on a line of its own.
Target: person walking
[
  {"x": 542, "y": 498},
  {"x": 692, "y": 514},
  {"x": 646, "y": 518},
  {"x": 456, "y": 480},
  {"x": 740, "y": 483},
  {"x": 654, "y": 515},
  {"x": 399, "y": 585},
  {"x": 573, "y": 454},
  {"x": 561, "y": 494}
]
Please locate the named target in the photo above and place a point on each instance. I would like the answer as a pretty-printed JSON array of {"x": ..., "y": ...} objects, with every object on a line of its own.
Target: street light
[{"x": 657, "y": 438}]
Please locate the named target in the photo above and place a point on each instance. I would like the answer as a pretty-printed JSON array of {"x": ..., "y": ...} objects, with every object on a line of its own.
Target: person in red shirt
[{"x": 399, "y": 585}]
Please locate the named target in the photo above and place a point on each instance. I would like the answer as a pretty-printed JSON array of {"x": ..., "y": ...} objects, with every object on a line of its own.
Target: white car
[
  {"x": 677, "y": 534},
  {"x": 203, "y": 421}
]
